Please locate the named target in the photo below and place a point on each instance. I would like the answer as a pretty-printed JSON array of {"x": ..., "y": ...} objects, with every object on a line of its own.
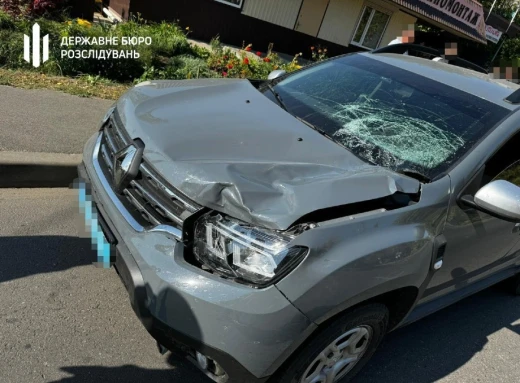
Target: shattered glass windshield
[{"x": 388, "y": 116}]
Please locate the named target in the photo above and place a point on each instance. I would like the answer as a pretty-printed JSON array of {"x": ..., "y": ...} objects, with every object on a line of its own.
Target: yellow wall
[
  {"x": 342, "y": 17},
  {"x": 340, "y": 21}
]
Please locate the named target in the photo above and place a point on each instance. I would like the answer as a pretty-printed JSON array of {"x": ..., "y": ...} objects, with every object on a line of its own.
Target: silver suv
[{"x": 277, "y": 230}]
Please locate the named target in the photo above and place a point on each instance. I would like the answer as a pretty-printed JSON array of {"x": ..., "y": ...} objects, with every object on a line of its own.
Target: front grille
[{"x": 148, "y": 198}]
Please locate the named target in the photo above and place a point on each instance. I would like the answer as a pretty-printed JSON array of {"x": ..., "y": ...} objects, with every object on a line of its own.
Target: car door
[{"x": 477, "y": 244}]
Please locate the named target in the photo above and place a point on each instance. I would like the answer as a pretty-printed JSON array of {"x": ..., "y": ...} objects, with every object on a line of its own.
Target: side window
[
  {"x": 371, "y": 27},
  {"x": 511, "y": 174},
  {"x": 505, "y": 164}
]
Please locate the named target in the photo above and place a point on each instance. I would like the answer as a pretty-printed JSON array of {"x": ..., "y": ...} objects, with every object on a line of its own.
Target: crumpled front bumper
[{"x": 249, "y": 332}]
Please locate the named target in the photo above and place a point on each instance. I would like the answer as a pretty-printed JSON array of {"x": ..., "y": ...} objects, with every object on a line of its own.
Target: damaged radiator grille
[{"x": 148, "y": 198}]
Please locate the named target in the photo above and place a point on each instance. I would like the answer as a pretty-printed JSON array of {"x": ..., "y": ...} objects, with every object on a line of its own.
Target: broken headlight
[{"x": 244, "y": 252}]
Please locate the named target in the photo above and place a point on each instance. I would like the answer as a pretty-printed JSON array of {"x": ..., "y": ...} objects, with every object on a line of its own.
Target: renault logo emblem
[{"x": 126, "y": 165}]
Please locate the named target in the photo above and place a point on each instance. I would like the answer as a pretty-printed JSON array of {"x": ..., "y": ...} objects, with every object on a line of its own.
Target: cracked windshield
[
  {"x": 258, "y": 191},
  {"x": 378, "y": 112}
]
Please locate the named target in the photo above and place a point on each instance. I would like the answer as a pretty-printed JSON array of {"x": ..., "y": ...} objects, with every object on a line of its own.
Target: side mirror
[
  {"x": 500, "y": 199},
  {"x": 275, "y": 74}
]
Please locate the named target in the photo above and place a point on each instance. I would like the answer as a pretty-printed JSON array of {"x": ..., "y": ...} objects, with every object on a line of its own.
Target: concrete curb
[{"x": 37, "y": 170}]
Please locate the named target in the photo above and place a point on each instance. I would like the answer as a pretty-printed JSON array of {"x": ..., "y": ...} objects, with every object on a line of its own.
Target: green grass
[{"x": 84, "y": 86}]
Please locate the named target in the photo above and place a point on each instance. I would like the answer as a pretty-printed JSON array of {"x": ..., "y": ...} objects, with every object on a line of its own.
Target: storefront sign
[
  {"x": 493, "y": 34},
  {"x": 467, "y": 11},
  {"x": 463, "y": 16}
]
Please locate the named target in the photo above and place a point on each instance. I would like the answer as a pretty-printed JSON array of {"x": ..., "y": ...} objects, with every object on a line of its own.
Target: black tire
[{"x": 372, "y": 315}]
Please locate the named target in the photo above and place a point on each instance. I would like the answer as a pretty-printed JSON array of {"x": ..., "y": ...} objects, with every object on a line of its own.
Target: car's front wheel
[{"x": 337, "y": 352}]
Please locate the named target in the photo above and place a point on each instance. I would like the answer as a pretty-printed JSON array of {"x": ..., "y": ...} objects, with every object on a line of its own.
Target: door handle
[{"x": 516, "y": 229}]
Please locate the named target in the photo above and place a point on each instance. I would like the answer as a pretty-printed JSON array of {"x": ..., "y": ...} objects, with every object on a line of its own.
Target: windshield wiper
[
  {"x": 277, "y": 96},
  {"x": 314, "y": 127},
  {"x": 325, "y": 134},
  {"x": 414, "y": 174}
]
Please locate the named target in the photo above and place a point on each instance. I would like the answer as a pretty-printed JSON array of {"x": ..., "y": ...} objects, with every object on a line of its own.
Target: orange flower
[
  {"x": 259, "y": 54},
  {"x": 246, "y": 61},
  {"x": 230, "y": 66},
  {"x": 248, "y": 48},
  {"x": 267, "y": 59}
]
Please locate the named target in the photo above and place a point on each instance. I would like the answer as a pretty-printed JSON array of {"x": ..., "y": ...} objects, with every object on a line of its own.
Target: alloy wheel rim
[{"x": 339, "y": 357}]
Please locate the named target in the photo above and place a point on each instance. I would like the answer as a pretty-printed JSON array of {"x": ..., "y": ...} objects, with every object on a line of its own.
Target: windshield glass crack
[{"x": 369, "y": 125}]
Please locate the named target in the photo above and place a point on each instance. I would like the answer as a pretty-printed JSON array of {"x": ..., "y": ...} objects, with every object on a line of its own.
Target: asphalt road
[
  {"x": 64, "y": 320},
  {"x": 47, "y": 121},
  {"x": 61, "y": 318}
]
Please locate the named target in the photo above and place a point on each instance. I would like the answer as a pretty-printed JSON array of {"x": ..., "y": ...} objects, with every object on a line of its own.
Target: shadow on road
[
  {"x": 440, "y": 344},
  {"x": 182, "y": 371},
  {"x": 423, "y": 352},
  {"x": 29, "y": 255}
]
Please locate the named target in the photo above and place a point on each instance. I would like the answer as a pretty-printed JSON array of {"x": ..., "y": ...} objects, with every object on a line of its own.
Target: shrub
[
  {"x": 15, "y": 8},
  {"x": 169, "y": 56},
  {"x": 34, "y": 8},
  {"x": 10, "y": 53},
  {"x": 293, "y": 65},
  {"x": 6, "y": 21},
  {"x": 190, "y": 67},
  {"x": 319, "y": 54},
  {"x": 43, "y": 6}
]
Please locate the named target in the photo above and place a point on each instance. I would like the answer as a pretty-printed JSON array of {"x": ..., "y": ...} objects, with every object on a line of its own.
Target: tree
[
  {"x": 503, "y": 8},
  {"x": 509, "y": 47}
]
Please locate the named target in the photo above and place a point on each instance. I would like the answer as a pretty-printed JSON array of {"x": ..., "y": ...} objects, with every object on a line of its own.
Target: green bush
[
  {"x": 10, "y": 53},
  {"x": 6, "y": 21},
  {"x": 169, "y": 56},
  {"x": 168, "y": 41}
]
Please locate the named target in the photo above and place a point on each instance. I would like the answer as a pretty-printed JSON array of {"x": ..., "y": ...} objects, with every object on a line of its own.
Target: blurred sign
[
  {"x": 493, "y": 34},
  {"x": 469, "y": 12}
]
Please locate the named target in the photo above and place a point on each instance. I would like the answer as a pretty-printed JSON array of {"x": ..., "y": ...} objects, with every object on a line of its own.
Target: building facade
[{"x": 295, "y": 25}]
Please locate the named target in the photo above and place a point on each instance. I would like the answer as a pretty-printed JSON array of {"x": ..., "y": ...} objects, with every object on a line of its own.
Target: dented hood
[{"x": 229, "y": 148}]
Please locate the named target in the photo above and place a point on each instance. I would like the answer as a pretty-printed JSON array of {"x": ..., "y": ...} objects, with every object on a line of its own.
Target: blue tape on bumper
[{"x": 89, "y": 213}]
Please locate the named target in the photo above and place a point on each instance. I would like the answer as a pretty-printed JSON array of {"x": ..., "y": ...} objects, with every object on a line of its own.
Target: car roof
[{"x": 466, "y": 80}]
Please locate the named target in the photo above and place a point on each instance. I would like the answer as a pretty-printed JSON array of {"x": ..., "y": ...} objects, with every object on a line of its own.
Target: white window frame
[
  {"x": 374, "y": 8},
  {"x": 231, "y": 4}
]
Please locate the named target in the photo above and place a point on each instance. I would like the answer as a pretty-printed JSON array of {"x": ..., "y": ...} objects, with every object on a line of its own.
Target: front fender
[{"x": 353, "y": 260}]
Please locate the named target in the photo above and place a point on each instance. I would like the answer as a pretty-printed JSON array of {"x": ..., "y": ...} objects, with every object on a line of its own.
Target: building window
[
  {"x": 370, "y": 28},
  {"x": 233, "y": 3}
]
